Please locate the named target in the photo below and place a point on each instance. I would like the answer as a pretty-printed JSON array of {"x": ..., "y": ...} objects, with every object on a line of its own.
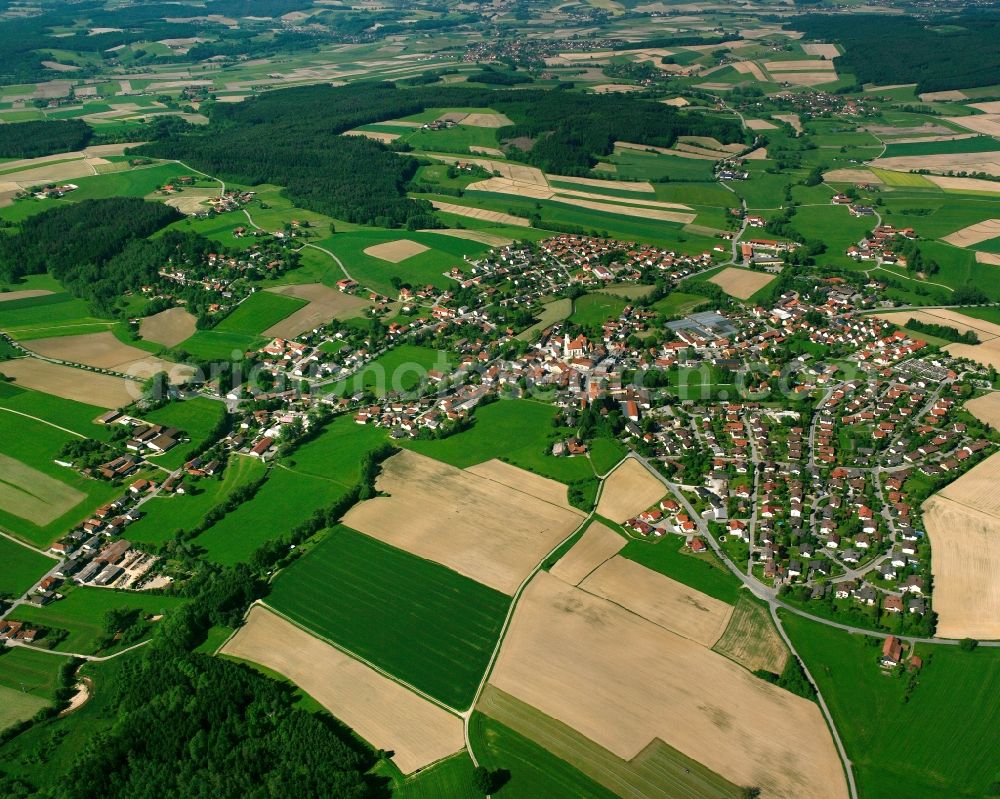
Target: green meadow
[
  {"x": 22, "y": 567},
  {"x": 420, "y": 621}
]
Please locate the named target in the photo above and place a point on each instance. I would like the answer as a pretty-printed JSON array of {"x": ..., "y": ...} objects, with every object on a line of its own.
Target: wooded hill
[
  {"x": 953, "y": 52},
  {"x": 43, "y": 137},
  {"x": 292, "y": 138},
  {"x": 86, "y": 247}
]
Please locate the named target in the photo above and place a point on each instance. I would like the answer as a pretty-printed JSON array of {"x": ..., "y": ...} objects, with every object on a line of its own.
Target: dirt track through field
[
  {"x": 325, "y": 304},
  {"x": 598, "y": 543},
  {"x": 169, "y": 327},
  {"x": 628, "y": 491},
  {"x": 665, "y": 602},
  {"x": 105, "y": 391},
  {"x": 384, "y": 713},
  {"x": 622, "y": 681},
  {"x": 481, "y": 528}
]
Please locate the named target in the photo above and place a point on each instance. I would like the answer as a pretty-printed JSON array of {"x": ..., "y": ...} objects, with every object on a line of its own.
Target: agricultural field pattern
[{"x": 526, "y": 399}]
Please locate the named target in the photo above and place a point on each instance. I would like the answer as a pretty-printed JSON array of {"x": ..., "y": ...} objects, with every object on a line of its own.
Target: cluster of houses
[{"x": 879, "y": 246}]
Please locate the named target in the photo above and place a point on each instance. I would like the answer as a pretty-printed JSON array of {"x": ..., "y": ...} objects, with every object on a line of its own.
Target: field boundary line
[
  {"x": 44, "y": 421},
  {"x": 357, "y": 657},
  {"x": 89, "y": 658},
  {"x": 26, "y": 545}
]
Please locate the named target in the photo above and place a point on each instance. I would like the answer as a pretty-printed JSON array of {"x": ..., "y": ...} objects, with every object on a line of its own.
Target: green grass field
[
  {"x": 420, "y": 621},
  {"x": 593, "y": 310},
  {"x": 196, "y": 417},
  {"x": 27, "y": 671},
  {"x": 942, "y": 742},
  {"x": 258, "y": 312},
  {"x": 22, "y": 567},
  {"x": 904, "y": 179},
  {"x": 451, "y": 778},
  {"x": 218, "y": 345},
  {"x": 703, "y": 572},
  {"x": 518, "y": 431},
  {"x": 287, "y": 499},
  {"x": 16, "y": 705},
  {"x": 678, "y": 304},
  {"x": 133, "y": 183},
  {"x": 976, "y": 144},
  {"x": 534, "y": 772},
  {"x": 70, "y": 414},
  {"x": 35, "y": 445},
  {"x": 335, "y": 454},
  {"x": 48, "y": 315},
  {"x": 81, "y": 614},
  {"x": 401, "y": 369},
  {"x": 165, "y": 514},
  {"x": 605, "y": 453},
  {"x": 443, "y": 253}
]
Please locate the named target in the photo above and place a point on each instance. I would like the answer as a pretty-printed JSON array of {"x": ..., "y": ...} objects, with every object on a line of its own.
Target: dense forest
[
  {"x": 952, "y": 52},
  {"x": 291, "y": 138},
  {"x": 87, "y": 246},
  {"x": 43, "y": 137}
]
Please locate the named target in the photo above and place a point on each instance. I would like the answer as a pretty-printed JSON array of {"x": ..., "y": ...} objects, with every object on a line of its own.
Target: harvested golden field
[
  {"x": 943, "y": 316},
  {"x": 752, "y": 69},
  {"x": 483, "y": 529},
  {"x": 988, "y": 258},
  {"x": 51, "y": 173},
  {"x": 169, "y": 327},
  {"x": 33, "y": 495},
  {"x": 189, "y": 201},
  {"x": 805, "y": 78},
  {"x": 986, "y": 408},
  {"x": 383, "y": 712},
  {"x": 104, "y": 391},
  {"x": 974, "y": 234},
  {"x": 597, "y": 544},
  {"x": 676, "y": 102},
  {"x": 964, "y": 184},
  {"x": 711, "y": 143},
  {"x": 760, "y": 154},
  {"x": 988, "y": 163},
  {"x": 628, "y": 491},
  {"x": 740, "y": 283},
  {"x": 518, "y": 188},
  {"x": 751, "y": 639},
  {"x": 609, "y": 88},
  {"x": 481, "y": 213},
  {"x": 945, "y": 96},
  {"x": 526, "y": 482},
  {"x": 104, "y": 351},
  {"x": 822, "y": 50},
  {"x": 643, "y": 186},
  {"x": 384, "y": 138},
  {"x": 808, "y": 65},
  {"x": 487, "y": 120},
  {"x": 791, "y": 119},
  {"x": 991, "y": 107},
  {"x": 659, "y": 599},
  {"x": 396, "y": 251},
  {"x": 325, "y": 304},
  {"x": 622, "y": 682},
  {"x": 760, "y": 124},
  {"x": 493, "y": 151},
  {"x": 852, "y": 176},
  {"x": 987, "y": 353},
  {"x": 965, "y": 558},
  {"x": 7, "y": 296}
]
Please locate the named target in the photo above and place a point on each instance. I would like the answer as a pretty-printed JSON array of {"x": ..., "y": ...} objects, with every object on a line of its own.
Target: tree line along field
[
  {"x": 938, "y": 741},
  {"x": 81, "y": 614},
  {"x": 316, "y": 475},
  {"x": 419, "y": 621},
  {"x": 163, "y": 515}
]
